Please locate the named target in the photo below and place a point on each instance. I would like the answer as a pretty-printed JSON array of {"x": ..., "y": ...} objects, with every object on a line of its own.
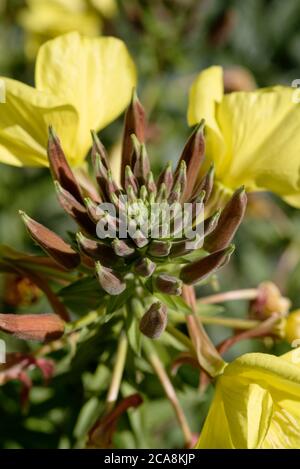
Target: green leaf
[
  {"x": 176, "y": 303},
  {"x": 132, "y": 328},
  {"x": 87, "y": 417},
  {"x": 82, "y": 296}
]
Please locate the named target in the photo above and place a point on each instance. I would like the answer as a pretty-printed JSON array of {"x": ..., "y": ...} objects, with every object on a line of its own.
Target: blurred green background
[{"x": 170, "y": 41}]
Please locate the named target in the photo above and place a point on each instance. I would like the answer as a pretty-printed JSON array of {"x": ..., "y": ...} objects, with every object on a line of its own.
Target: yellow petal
[
  {"x": 24, "y": 121},
  {"x": 257, "y": 401},
  {"x": 205, "y": 95},
  {"x": 96, "y": 76},
  {"x": 262, "y": 136},
  {"x": 211, "y": 437}
]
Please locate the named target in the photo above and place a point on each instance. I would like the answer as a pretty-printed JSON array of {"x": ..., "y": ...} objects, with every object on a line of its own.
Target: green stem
[
  {"x": 117, "y": 374},
  {"x": 182, "y": 338},
  {"x": 245, "y": 294},
  {"x": 169, "y": 390},
  {"x": 234, "y": 323}
]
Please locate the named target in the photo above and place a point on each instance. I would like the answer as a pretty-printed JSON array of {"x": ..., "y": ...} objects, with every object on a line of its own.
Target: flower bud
[
  {"x": 39, "y": 327},
  {"x": 130, "y": 180},
  {"x": 166, "y": 178},
  {"x": 60, "y": 168},
  {"x": 201, "y": 269},
  {"x": 144, "y": 267},
  {"x": 122, "y": 248},
  {"x": 229, "y": 221},
  {"x": 96, "y": 250},
  {"x": 135, "y": 123},
  {"x": 193, "y": 156},
  {"x": 159, "y": 248},
  {"x": 51, "y": 243},
  {"x": 109, "y": 280},
  {"x": 154, "y": 321},
  {"x": 269, "y": 301},
  {"x": 168, "y": 284},
  {"x": 75, "y": 209}
]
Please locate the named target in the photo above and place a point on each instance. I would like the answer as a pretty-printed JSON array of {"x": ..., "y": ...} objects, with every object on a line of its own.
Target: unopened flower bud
[
  {"x": 201, "y": 269},
  {"x": 144, "y": 267},
  {"x": 109, "y": 280},
  {"x": 168, "y": 284},
  {"x": 39, "y": 327},
  {"x": 159, "y": 248},
  {"x": 154, "y": 321},
  {"x": 53, "y": 244},
  {"x": 269, "y": 301},
  {"x": 229, "y": 221}
]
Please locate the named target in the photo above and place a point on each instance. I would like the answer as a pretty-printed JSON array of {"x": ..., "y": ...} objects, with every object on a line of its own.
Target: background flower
[
  {"x": 81, "y": 84},
  {"x": 46, "y": 19},
  {"x": 253, "y": 137}
]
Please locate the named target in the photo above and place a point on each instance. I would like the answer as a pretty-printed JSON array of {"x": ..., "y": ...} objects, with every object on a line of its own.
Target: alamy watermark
[{"x": 151, "y": 220}]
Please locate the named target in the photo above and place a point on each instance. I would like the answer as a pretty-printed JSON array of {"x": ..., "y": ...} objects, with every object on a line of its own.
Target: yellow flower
[
  {"x": 256, "y": 404},
  {"x": 252, "y": 137},
  {"x": 46, "y": 19},
  {"x": 81, "y": 84}
]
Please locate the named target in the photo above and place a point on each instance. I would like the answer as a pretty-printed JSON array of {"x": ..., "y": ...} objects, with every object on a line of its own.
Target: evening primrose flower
[
  {"x": 47, "y": 19},
  {"x": 253, "y": 137},
  {"x": 80, "y": 84},
  {"x": 256, "y": 404}
]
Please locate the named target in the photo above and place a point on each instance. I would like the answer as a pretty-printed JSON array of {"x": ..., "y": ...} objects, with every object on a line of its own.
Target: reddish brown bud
[
  {"x": 159, "y": 248},
  {"x": 51, "y": 243},
  {"x": 39, "y": 327},
  {"x": 135, "y": 123},
  {"x": 205, "y": 184},
  {"x": 96, "y": 250},
  {"x": 109, "y": 280},
  {"x": 73, "y": 208},
  {"x": 122, "y": 248},
  {"x": 99, "y": 149},
  {"x": 142, "y": 166},
  {"x": 130, "y": 180},
  {"x": 166, "y": 177},
  {"x": 154, "y": 321},
  {"x": 229, "y": 221},
  {"x": 60, "y": 168},
  {"x": 144, "y": 267},
  {"x": 193, "y": 156},
  {"x": 201, "y": 269},
  {"x": 168, "y": 284}
]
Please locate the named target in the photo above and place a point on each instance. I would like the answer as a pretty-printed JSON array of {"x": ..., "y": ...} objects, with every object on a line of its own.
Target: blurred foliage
[{"x": 171, "y": 41}]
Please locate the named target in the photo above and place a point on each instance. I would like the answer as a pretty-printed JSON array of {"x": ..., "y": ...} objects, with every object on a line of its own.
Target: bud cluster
[{"x": 159, "y": 260}]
